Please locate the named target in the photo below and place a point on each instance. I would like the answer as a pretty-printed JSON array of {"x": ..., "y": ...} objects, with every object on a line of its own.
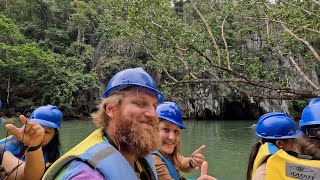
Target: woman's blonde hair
[
  {"x": 175, "y": 156},
  {"x": 100, "y": 117}
]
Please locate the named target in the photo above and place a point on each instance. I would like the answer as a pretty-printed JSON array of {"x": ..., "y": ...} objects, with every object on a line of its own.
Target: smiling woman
[{"x": 168, "y": 160}]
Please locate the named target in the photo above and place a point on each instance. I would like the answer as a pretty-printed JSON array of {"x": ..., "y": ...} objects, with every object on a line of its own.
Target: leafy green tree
[{"x": 34, "y": 76}]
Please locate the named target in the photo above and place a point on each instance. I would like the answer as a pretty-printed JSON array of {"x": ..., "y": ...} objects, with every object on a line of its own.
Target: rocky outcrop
[{"x": 211, "y": 101}]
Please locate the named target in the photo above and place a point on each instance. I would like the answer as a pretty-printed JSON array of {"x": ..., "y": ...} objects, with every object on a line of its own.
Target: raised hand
[
  {"x": 31, "y": 134},
  {"x": 204, "y": 172},
  {"x": 197, "y": 157}
]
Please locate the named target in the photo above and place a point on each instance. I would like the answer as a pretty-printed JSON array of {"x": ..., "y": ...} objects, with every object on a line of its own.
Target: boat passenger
[
  {"x": 33, "y": 168},
  {"x": 169, "y": 162},
  {"x": 309, "y": 143},
  {"x": 277, "y": 132},
  {"x": 121, "y": 148},
  {"x": 50, "y": 118}
]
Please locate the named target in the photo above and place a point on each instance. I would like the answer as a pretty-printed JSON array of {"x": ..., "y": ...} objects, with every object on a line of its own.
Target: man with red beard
[{"x": 120, "y": 149}]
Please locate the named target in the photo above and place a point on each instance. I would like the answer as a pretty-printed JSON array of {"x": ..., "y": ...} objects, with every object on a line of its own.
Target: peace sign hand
[{"x": 31, "y": 134}]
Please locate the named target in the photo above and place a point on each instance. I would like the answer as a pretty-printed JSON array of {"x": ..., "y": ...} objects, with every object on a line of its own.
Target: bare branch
[
  {"x": 173, "y": 40},
  {"x": 316, "y": 2},
  {"x": 302, "y": 73},
  {"x": 268, "y": 28},
  {"x": 213, "y": 39},
  {"x": 164, "y": 69},
  {"x": 225, "y": 43},
  {"x": 168, "y": 74},
  {"x": 8, "y": 91},
  {"x": 314, "y": 52},
  {"x": 185, "y": 64},
  {"x": 277, "y": 97},
  {"x": 247, "y": 80},
  {"x": 282, "y": 94},
  {"x": 302, "y": 9},
  {"x": 281, "y": 22}
]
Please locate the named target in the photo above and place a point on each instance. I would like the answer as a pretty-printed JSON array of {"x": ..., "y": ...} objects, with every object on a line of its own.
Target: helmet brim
[
  {"x": 294, "y": 136},
  {"x": 174, "y": 122},
  {"x": 45, "y": 123},
  {"x": 309, "y": 123},
  {"x": 115, "y": 89}
]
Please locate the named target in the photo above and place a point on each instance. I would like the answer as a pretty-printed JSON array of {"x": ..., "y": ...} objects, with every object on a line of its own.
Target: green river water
[{"x": 227, "y": 143}]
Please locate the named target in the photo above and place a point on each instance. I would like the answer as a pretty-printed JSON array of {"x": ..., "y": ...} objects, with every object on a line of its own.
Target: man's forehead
[{"x": 141, "y": 92}]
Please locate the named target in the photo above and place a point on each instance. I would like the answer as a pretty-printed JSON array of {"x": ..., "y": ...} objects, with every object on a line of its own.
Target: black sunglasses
[{"x": 313, "y": 132}]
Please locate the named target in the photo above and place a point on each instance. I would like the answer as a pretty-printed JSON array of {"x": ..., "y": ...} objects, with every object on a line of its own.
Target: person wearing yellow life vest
[
  {"x": 278, "y": 132},
  {"x": 121, "y": 148},
  {"x": 306, "y": 165},
  {"x": 49, "y": 117},
  {"x": 309, "y": 143}
]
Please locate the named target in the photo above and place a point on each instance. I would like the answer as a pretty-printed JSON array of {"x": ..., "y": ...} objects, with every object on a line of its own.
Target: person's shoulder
[
  {"x": 156, "y": 159},
  {"x": 78, "y": 169},
  {"x": 260, "y": 172}
]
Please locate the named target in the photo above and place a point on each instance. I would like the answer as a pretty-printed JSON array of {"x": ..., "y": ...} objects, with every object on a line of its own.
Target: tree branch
[
  {"x": 316, "y": 2},
  {"x": 172, "y": 39},
  {"x": 225, "y": 43},
  {"x": 314, "y": 52},
  {"x": 164, "y": 69},
  {"x": 214, "y": 42},
  {"x": 302, "y": 73},
  {"x": 281, "y": 22},
  {"x": 302, "y": 9},
  {"x": 247, "y": 80},
  {"x": 293, "y": 94},
  {"x": 8, "y": 92}
]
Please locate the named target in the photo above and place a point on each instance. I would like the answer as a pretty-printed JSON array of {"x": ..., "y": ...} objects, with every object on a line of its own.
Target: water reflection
[{"x": 227, "y": 146}]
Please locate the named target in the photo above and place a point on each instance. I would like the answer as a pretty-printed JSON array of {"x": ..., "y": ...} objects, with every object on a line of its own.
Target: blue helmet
[
  {"x": 277, "y": 125},
  {"x": 48, "y": 115},
  {"x": 310, "y": 114},
  {"x": 170, "y": 111},
  {"x": 131, "y": 77}
]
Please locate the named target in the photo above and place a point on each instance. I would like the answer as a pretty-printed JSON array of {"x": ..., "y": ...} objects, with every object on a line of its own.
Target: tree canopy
[{"x": 60, "y": 51}]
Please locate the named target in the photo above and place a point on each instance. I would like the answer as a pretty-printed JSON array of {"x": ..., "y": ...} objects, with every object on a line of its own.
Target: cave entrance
[{"x": 235, "y": 110}]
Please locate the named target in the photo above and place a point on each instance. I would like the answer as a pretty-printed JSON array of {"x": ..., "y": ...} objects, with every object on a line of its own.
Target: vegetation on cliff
[{"x": 60, "y": 52}]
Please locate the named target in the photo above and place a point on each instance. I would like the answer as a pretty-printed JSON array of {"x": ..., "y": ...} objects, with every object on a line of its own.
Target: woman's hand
[
  {"x": 204, "y": 172},
  {"x": 197, "y": 158},
  {"x": 31, "y": 134}
]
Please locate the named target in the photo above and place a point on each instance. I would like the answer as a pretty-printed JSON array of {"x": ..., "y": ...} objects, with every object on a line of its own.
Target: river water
[{"x": 228, "y": 143}]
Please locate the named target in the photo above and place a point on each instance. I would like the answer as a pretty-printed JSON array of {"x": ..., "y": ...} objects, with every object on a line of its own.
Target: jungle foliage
[{"x": 60, "y": 52}]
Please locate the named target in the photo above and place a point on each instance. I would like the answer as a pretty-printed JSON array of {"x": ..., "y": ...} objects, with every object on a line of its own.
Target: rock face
[
  {"x": 209, "y": 101},
  {"x": 216, "y": 101}
]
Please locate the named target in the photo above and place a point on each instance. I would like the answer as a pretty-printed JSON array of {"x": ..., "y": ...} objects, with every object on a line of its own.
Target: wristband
[
  {"x": 34, "y": 148},
  {"x": 191, "y": 164}
]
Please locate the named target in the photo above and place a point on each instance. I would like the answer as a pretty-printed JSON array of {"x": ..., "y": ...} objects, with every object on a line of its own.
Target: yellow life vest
[
  {"x": 282, "y": 166},
  {"x": 102, "y": 156},
  {"x": 265, "y": 151}
]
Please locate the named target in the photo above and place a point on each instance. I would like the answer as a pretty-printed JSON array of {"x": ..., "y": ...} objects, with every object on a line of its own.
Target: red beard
[{"x": 132, "y": 137}]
